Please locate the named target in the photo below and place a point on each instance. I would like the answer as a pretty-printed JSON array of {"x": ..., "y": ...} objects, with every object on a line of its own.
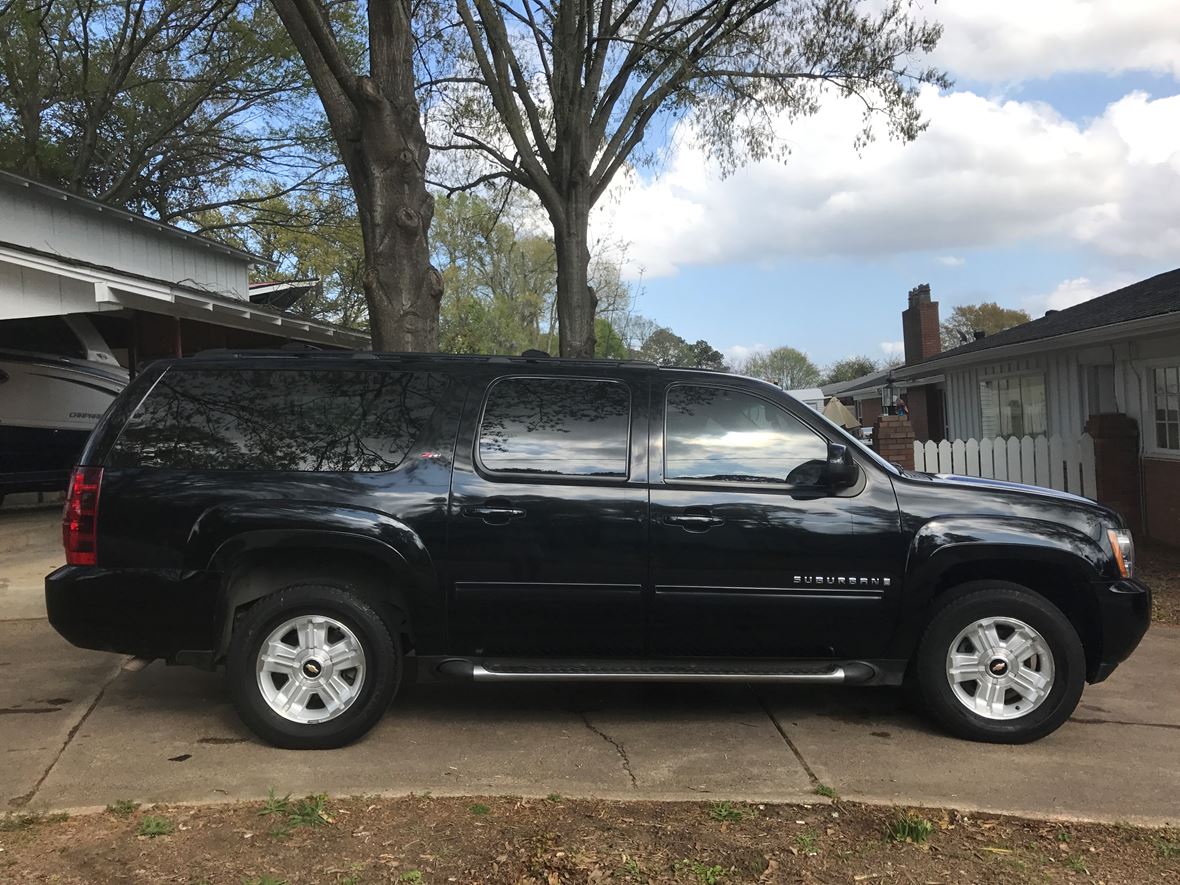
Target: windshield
[{"x": 860, "y": 446}]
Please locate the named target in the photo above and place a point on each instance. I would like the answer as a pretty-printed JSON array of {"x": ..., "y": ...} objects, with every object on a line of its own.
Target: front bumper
[
  {"x": 152, "y": 613},
  {"x": 1125, "y": 610}
]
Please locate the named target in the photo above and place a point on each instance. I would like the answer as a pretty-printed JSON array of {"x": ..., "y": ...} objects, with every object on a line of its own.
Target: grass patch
[
  {"x": 264, "y": 879},
  {"x": 825, "y": 790},
  {"x": 11, "y": 823},
  {"x": 1077, "y": 864},
  {"x": 123, "y": 807},
  {"x": 908, "y": 827},
  {"x": 631, "y": 868},
  {"x": 152, "y": 826},
  {"x": 725, "y": 811},
  {"x": 1168, "y": 849},
  {"x": 275, "y": 805},
  {"x": 807, "y": 842},
  {"x": 311, "y": 811},
  {"x": 410, "y": 876},
  {"x": 479, "y": 808},
  {"x": 706, "y": 875}
]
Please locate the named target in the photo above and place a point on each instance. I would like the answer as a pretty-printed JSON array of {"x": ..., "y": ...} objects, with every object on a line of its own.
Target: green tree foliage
[
  {"x": 666, "y": 348},
  {"x": 159, "y": 106},
  {"x": 789, "y": 368},
  {"x": 987, "y": 317},
  {"x": 558, "y": 97},
  {"x": 500, "y": 281},
  {"x": 849, "y": 368}
]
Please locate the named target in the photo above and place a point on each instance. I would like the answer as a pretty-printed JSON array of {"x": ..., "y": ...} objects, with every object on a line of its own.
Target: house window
[
  {"x": 1167, "y": 407},
  {"x": 1013, "y": 406}
]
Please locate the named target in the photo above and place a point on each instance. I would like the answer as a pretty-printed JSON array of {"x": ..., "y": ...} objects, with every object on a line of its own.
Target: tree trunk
[
  {"x": 387, "y": 169},
  {"x": 377, "y": 125},
  {"x": 576, "y": 304}
]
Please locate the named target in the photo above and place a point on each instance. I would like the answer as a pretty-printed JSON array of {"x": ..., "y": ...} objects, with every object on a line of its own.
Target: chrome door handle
[
  {"x": 694, "y": 522},
  {"x": 490, "y": 513}
]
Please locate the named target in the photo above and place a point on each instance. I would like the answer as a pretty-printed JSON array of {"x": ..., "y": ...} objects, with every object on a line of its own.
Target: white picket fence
[{"x": 1063, "y": 464}]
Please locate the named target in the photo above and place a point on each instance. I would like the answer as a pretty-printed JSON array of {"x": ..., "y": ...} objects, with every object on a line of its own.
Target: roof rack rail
[{"x": 300, "y": 352}]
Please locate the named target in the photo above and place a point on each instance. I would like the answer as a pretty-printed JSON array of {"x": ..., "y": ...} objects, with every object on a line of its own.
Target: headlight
[{"x": 1124, "y": 551}]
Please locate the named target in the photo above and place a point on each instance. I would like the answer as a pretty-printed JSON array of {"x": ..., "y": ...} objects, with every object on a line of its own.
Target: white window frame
[
  {"x": 1001, "y": 376},
  {"x": 1147, "y": 424}
]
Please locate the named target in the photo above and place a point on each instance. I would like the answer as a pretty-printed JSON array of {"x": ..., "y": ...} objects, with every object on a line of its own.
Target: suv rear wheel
[
  {"x": 998, "y": 663},
  {"x": 312, "y": 667}
]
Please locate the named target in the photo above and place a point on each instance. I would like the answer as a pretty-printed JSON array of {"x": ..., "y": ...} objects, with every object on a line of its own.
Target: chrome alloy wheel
[
  {"x": 1000, "y": 668},
  {"x": 311, "y": 668}
]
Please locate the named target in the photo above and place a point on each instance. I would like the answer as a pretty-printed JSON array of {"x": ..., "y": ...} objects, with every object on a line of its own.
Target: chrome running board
[{"x": 541, "y": 670}]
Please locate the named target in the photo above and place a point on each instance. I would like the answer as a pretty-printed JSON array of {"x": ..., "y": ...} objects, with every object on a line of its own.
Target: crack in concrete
[
  {"x": 1124, "y": 722},
  {"x": 811, "y": 776},
  {"x": 22, "y": 801},
  {"x": 618, "y": 749}
]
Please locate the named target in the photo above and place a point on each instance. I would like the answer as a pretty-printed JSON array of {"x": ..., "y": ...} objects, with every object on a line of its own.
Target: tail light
[{"x": 79, "y": 525}]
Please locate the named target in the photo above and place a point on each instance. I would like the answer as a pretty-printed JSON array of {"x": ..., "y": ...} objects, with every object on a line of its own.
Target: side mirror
[{"x": 842, "y": 470}]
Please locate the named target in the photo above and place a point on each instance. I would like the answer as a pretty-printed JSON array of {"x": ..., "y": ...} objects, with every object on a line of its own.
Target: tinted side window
[
  {"x": 279, "y": 419},
  {"x": 564, "y": 426},
  {"x": 716, "y": 434}
]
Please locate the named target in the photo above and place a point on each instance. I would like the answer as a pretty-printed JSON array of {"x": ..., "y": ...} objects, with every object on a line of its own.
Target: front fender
[{"x": 998, "y": 545}]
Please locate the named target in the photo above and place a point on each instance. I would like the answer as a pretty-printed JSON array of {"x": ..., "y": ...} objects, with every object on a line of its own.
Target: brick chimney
[{"x": 919, "y": 326}]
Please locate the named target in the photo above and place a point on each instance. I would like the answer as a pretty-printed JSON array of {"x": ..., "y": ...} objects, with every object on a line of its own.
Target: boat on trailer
[{"x": 57, "y": 378}]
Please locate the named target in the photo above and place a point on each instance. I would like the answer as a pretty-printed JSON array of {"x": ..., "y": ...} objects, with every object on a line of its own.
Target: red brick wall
[
  {"x": 1161, "y": 493},
  {"x": 870, "y": 411},
  {"x": 1116, "y": 464},
  {"x": 893, "y": 439},
  {"x": 915, "y": 400},
  {"x": 919, "y": 327}
]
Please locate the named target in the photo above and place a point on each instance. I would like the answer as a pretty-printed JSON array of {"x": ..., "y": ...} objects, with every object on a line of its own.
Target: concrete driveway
[{"x": 78, "y": 731}]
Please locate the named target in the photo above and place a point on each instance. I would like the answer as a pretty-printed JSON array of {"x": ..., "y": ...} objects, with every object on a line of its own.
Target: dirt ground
[
  {"x": 1159, "y": 567},
  {"x": 551, "y": 841}
]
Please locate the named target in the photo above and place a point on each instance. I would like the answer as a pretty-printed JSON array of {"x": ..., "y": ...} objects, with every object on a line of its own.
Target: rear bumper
[
  {"x": 1125, "y": 608},
  {"x": 154, "y": 613}
]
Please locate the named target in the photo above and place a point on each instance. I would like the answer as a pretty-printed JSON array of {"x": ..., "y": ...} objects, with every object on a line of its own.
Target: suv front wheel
[
  {"x": 998, "y": 663},
  {"x": 312, "y": 667}
]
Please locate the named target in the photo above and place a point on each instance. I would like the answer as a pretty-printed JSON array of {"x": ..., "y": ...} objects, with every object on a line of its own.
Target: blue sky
[{"x": 1049, "y": 174}]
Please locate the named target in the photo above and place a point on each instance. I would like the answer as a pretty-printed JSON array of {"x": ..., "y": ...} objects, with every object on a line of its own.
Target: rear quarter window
[{"x": 279, "y": 419}]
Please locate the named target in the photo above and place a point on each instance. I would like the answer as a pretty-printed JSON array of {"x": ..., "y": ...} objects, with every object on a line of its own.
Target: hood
[{"x": 1001, "y": 485}]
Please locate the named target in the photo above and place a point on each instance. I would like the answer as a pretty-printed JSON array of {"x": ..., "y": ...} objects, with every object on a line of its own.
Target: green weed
[
  {"x": 825, "y": 790},
  {"x": 153, "y": 825},
  {"x": 908, "y": 827},
  {"x": 123, "y": 807},
  {"x": 479, "y": 808},
  {"x": 724, "y": 811}
]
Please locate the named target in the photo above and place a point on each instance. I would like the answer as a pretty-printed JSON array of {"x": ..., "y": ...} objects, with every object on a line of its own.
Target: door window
[
  {"x": 556, "y": 427},
  {"x": 715, "y": 434}
]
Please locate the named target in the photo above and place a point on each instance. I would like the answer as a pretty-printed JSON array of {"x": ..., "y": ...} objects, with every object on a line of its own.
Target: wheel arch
[{"x": 1055, "y": 562}]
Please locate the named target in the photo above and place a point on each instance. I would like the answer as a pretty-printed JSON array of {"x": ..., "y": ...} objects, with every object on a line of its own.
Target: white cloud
[
  {"x": 1011, "y": 40},
  {"x": 1071, "y": 292},
  {"x": 739, "y": 353},
  {"x": 893, "y": 349},
  {"x": 985, "y": 173},
  {"x": 951, "y": 260}
]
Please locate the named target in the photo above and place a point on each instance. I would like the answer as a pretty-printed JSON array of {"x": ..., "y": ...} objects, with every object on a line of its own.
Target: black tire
[
  {"x": 382, "y": 659},
  {"x": 987, "y": 599}
]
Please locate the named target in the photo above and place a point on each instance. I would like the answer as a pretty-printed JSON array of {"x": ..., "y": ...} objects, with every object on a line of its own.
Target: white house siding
[
  {"x": 32, "y": 219},
  {"x": 1066, "y": 388},
  {"x": 26, "y": 292}
]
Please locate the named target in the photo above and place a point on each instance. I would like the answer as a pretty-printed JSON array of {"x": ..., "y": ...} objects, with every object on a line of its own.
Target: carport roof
[{"x": 105, "y": 209}]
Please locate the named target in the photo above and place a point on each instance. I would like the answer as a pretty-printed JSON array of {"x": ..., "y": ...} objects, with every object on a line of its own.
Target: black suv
[{"x": 325, "y": 525}]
